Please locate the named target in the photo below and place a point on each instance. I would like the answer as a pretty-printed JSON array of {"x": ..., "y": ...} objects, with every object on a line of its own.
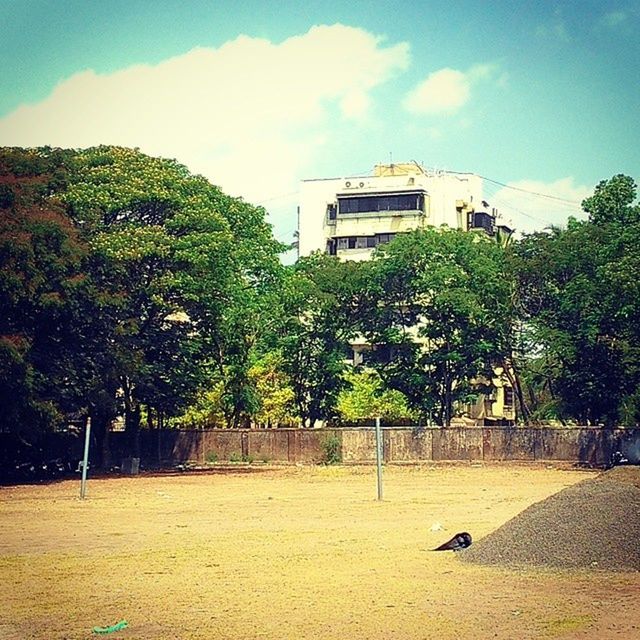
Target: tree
[
  {"x": 128, "y": 285},
  {"x": 365, "y": 397},
  {"x": 274, "y": 391},
  {"x": 437, "y": 316},
  {"x": 581, "y": 303},
  {"x": 612, "y": 202},
  {"x": 189, "y": 273},
  {"x": 320, "y": 320},
  {"x": 41, "y": 284}
]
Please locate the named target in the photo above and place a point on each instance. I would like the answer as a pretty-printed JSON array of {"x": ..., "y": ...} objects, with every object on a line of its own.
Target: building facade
[{"x": 349, "y": 217}]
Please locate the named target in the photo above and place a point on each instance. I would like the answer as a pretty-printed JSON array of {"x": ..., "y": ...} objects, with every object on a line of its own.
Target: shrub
[{"x": 331, "y": 450}]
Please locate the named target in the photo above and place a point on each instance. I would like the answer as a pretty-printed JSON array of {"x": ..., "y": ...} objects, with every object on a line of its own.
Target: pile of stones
[{"x": 594, "y": 524}]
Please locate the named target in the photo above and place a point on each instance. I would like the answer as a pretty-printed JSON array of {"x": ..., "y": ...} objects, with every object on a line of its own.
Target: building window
[
  {"x": 381, "y": 202},
  {"x": 508, "y": 397},
  {"x": 384, "y": 238},
  {"x": 481, "y": 220},
  {"x": 359, "y": 242},
  {"x": 332, "y": 211}
]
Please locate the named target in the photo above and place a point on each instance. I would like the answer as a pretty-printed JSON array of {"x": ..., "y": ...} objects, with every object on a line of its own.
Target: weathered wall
[{"x": 588, "y": 445}]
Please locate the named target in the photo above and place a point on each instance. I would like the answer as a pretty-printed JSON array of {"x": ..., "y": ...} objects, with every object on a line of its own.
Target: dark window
[
  {"x": 375, "y": 203},
  {"x": 361, "y": 242},
  {"x": 332, "y": 211},
  {"x": 508, "y": 397},
  {"x": 383, "y": 238},
  {"x": 481, "y": 220},
  {"x": 386, "y": 353}
]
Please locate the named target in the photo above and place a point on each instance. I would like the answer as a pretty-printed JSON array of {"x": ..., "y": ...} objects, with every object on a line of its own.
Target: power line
[
  {"x": 502, "y": 204},
  {"x": 283, "y": 195},
  {"x": 535, "y": 193}
]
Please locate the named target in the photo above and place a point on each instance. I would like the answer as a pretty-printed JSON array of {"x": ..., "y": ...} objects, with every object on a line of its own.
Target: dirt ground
[{"x": 290, "y": 553}]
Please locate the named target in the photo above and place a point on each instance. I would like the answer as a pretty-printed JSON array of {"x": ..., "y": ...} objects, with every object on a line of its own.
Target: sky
[{"x": 539, "y": 98}]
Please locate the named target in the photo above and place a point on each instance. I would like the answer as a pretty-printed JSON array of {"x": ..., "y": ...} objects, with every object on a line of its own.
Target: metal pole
[
  {"x": 85, "y": 459},
  {"x": 379, "y": 456}
]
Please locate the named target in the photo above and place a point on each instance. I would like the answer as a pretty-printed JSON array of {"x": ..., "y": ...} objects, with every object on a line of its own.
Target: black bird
[{"x": 459, "y": 541}]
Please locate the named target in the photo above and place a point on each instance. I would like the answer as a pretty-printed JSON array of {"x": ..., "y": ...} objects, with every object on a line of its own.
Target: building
[{"x": 349, "y": 217}]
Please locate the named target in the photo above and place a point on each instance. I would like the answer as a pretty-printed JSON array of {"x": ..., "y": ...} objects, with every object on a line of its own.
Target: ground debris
[{"x": 594, "y": 524}]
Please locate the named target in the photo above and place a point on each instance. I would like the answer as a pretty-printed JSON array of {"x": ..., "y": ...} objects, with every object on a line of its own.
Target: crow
[{"x": 458, "y": 542}]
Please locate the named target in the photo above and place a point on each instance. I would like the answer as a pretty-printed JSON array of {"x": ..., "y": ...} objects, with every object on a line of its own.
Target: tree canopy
[{"x": 129, "y": 286}]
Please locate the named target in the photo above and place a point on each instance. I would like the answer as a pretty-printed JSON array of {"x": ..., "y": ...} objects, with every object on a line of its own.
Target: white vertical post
[
  {"x": 379, "y": 456},
  {"x": 85, "y": 459}
]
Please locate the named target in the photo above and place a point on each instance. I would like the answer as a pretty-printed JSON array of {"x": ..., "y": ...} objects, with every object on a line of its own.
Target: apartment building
[{"x": 349, "y": 217}]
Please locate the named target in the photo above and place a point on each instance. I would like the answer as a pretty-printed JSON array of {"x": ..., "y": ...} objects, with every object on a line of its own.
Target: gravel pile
[{"x": 594, "y": 524}]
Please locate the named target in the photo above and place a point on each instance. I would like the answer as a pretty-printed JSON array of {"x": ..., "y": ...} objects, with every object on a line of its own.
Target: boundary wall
[{"x": 581, "y": 445}]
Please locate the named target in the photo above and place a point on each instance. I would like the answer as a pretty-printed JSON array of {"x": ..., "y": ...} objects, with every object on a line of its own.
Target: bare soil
[{"x": 289, "y": 553}]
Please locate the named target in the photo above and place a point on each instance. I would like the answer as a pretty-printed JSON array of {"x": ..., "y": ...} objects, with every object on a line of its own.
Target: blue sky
[{"x": 540, "y": 96}]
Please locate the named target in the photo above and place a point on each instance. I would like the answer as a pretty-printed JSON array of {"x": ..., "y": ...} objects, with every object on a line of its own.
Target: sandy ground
[{"x": 291, "y": 553}]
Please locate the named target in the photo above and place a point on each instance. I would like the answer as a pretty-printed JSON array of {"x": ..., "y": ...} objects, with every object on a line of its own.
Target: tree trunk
[
  {"x": 131, "y": 419},
  {"x": 100, "y": 431},
  {"x": 447, "y": 397}
]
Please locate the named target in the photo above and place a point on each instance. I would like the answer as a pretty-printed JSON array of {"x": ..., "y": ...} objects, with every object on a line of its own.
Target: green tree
[
  {"x": 128, "y": 284},
  {"x": 366, "y": 397},
  {"x": 41, "y": 283},
  {"x": 189, "y": 273},
  {"x": 437, "y": 316},
  {"x": 320, "y": 309},
  {"x": 581, "y": 304},
  {"x": 274, "y": 391}
]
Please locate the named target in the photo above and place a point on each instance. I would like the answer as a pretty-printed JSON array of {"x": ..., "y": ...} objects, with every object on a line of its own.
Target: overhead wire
[
  {"x": 565, "y": 203},
  {"x": 535, "y": 193}
]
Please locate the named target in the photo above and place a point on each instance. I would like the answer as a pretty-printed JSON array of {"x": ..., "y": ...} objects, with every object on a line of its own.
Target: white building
[{"x": 349, "y": 216}]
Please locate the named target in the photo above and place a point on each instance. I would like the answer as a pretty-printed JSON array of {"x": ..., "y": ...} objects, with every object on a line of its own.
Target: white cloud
[
  {"x": 532, "y": 205},
  {"x": 355, "y": 104},
  {"x": 446, "y": 91},
  {"x": 247, "y": 115},
  {"x": 443, "y": 91}
]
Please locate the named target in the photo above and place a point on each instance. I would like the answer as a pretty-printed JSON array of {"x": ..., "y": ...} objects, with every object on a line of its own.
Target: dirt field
[{"x": 291, "y": 553}]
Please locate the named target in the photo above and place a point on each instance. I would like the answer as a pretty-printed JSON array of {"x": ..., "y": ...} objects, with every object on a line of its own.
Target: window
[
  {"x": 332, "y": 210},
  {"x": 508, "y": 396},
  {"x": 411, "y": 201},
  {"x": 360, "y": 242},
  {"x": 384, "y": 238},
  {"x": 481, "y": 220}
]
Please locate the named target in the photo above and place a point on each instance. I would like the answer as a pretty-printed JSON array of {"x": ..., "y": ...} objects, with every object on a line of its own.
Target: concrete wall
[{"x": 588, "y": 445}]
